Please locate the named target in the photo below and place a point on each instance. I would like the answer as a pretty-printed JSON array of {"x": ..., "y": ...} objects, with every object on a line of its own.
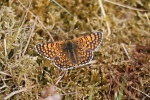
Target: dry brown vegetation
[{"x": 122, "y": 61}]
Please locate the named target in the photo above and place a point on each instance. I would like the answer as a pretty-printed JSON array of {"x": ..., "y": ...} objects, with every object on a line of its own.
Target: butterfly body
[{"x": 71, "y": 53}]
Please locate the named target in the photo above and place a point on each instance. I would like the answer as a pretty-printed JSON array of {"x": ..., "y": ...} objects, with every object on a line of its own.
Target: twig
[
  {"x": 141, "y": 92},
  {"x": 125, "y": 50},
  {"x": 15, "y": 92},
  {"x": 60, "y": 77},
  {"x": 18, "y": 91},
  {"x": 3, "y": 86},
  {"x": 4, "y": 73}
]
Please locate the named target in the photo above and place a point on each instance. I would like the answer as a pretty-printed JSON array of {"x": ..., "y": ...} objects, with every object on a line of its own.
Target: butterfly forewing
[
  {"x": 49, "y": 50},
  {"x": 90, "y": 41}
]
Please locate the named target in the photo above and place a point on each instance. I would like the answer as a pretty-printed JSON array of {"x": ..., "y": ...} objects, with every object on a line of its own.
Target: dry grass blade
[
  {"x": 141, "y": 92},
  {"x": 129, "y": 7},
  {"x": 104, "y": 14},
  {"x": 36, "y": 18},
  {"x": 31, "y": 34},
  {"x": 17, "y": 92},
  {"x": 62, "y": 7}
]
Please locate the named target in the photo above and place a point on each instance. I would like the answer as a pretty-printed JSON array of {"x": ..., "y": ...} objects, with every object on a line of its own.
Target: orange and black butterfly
[{"x": 71, "y": 53}]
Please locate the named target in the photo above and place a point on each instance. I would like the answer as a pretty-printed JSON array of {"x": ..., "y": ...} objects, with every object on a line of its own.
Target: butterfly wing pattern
[
  {"x": 72, "y": 53},
  {"x": 54, "y": 51},
  {"x": 86, "y": 45},
  {"x": 49, "y": 50}
]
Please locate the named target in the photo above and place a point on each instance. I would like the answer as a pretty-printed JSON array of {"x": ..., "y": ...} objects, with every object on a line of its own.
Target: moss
[{"x": 125, "y": 51}]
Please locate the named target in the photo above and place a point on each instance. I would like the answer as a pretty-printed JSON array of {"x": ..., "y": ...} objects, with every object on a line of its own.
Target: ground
[{"x": 120, "y": 68}]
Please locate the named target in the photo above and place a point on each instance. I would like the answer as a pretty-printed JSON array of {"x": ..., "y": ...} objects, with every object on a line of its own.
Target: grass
[
  {"x": 125, "y": 49},
  {"x": 91, "y": 92},
  {"x": 122, "y": 88}
]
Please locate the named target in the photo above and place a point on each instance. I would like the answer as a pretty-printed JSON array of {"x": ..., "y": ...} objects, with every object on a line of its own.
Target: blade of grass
[
  {"x": 62, "y": 7},
  {"x": 125, "y": 6},
  {"x": 122, "y": 88},
  {"x": 91, "y": 93},
  {"x": 104, "y": 14}
]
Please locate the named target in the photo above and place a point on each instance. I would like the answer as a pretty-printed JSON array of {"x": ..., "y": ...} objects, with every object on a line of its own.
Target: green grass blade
[
  {"x": 122, "y": 88},
  {"x": 91, "y": 93}
]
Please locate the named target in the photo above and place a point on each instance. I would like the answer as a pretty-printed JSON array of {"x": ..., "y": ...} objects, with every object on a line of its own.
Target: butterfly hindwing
[{"x": 84, "y": 56}]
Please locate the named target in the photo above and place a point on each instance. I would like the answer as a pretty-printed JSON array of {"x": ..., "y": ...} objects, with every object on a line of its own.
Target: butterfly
[{"x": 71, "y": 53}]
